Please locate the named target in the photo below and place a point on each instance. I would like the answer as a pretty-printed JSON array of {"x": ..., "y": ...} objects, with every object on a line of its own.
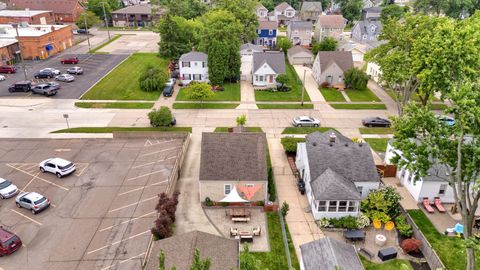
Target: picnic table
[
  {"x": 245, "y": 236},
  {"x": 354, "y": 235}
]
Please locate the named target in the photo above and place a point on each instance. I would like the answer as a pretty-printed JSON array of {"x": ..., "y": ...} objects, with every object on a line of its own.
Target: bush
[
  {"x": 382, "y": 204},
  {"x": 166, "y": 208},
  {"x": 259, "y": 203},
  {"x": 224, "y": 204},
  {"x": 208, "y": 201},
  {"x": 362, "y": 221},
  {"x": 323, "y": 222},
  {"x": 327, "y": 44},
  {"x": 325, "y": 85},
  {"x": 403, "y": 227},
  {"x": 284, "y": 209},
  {"x": 380, "y": 216},
  {"x": 161, "y": 117},
  {"x": 272, "y": 192},
  {"x": 356, "y": 78},
  {"x": 411, "y": 245},
  {"x": 347, "y": 222},
  {"x": 290, "y": 144},
  {"x": 153, "y": 79}
]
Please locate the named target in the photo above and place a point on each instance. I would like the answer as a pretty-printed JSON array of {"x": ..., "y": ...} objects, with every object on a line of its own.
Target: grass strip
[
  {"x": 115, "y": 105},
  {"x": 376, "y": 130},
  {"x": 272, "y": 106},
  {"x": 205, "y": 105},
  {"x": 331, "y": 94},
  {"x": 350, "y": 106},
  {"x": 378, "y": 144},
  {"x": 249, "y": 129}
]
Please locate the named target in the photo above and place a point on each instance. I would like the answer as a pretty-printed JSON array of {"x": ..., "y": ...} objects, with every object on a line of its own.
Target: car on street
[
  {"x": 376, "y": 122},
  {"x": 75, "y": 70},
  {"x": 445, "y": 119},
  {"x": 21, "y": 86},
  {"x": 2, "y": 78},
  {"x": 7, "y": 189},
  {"x": 44, "y": 89},
  {"x": 70, "y": 60},
  {"x": 53, "y": 84},
  {"x": 44, "y": 74},
  {"x": 9, "y": 242},
  {"x": 65, "y": 78},
  {"x": 58, "y": 166},
  {"x": 32, "y": 201},
  {"x": 305, "y": 121},
  {"x": 53, "y": 70},
  {"x": 82, "y": 31},
  {"x": 7, "y": 69}
]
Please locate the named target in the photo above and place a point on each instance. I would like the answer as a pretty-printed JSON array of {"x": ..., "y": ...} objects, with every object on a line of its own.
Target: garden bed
[{"x": 231, "y": 92}]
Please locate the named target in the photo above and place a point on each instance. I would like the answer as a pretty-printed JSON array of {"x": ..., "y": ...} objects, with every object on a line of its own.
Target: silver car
[
  {"x": 7, "y": 189},
  {"x": 32, "y": 201},
  {"x": 75, "y": 70},
  {"x": 53, "y": 70},
  {"x": 305, "y": 121},
  {"x": 65, "y": 78}
]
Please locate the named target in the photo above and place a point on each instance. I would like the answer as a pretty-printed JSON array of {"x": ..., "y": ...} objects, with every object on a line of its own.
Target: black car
[
  {"x": 44, "y": 74},
  {"x": 376, "y": 122},
  {"x": 82, "y": 31},
  {"x": 168, "y": 91},
  {"x": 44, "y": 89},
  {"x": 22, "y": 86}
]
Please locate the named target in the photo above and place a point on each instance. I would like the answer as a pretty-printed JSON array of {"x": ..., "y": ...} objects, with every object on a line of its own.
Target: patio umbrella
[
  {"x": 233, "y": 197},
  {"x": 458, "y": 228}
]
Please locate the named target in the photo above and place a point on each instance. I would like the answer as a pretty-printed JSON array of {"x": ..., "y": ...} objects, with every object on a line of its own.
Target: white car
[
  {"x": 305, "y": 121},
  {"x": 75, "y": 70},
  {"x": 65, "y": 78},
  {"x": 54, "y": 71},
  {"x": 7, "y": 189},
  {"x": 32, "y": 201},
  {"x": 2, "y": 78},
  {"x": 58, "y": 166}
]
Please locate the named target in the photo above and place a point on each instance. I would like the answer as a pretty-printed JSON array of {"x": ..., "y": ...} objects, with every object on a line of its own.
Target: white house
[
  {"x": 374, "y": 71},
  {"x": 266, "y": 67},
  {"x": 433, "y": 185},
  {"x": 261, "y": 11},
  {"x": 193, "y": 67},
  {"x": 283, "y": 13},
  {"x": 330, "y": 66},
  {"x": 337, "y": 172}
]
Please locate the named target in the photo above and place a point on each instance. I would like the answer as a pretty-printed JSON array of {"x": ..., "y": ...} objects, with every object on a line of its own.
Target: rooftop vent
[
  {"x": 346, "y": 144},
  {"x": 314, "y": 144},
  {"x": 333, "y": 137}
]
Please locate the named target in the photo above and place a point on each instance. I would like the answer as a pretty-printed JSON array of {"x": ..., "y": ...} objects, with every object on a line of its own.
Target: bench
[
  {"x": 240, "y": 219},
  {"x": 366, "y": 252}
]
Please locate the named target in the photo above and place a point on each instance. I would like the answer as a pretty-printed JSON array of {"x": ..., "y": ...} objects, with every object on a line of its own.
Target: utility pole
[
  {"x": 303, "y": 85},
  {"x": 15, "y": 25},
  {"x": 105, "y": 19},
  {"x": 86, "y": 30}
]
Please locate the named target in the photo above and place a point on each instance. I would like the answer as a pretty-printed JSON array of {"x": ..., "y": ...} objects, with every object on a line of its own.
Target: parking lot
[
  {"x": 95, "y": 66},
  {"x": 100, "y": 216}
]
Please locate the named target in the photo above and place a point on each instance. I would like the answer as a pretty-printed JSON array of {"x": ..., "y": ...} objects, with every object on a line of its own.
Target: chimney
[
  {"x": 333, "y": 137},
  {"x": 27, "y": 11}
]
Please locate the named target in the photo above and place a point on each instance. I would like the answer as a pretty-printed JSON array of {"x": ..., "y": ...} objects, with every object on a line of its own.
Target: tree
[
  {"x": 431, "y": 6},
  {"x": 327, "y": 44},
  {"x": 326, "y": 4},
  {"x": 284, "y": 44},
  {"x": 268, "y": 4},
  {"x": 248, "y": 260},
  {"x": 177, "y": 36},
  {"x": 161, "y": 117},
  {"x": 188, "y": 9},
  {"x": 394, "y": 12},
  {"x": 152, "y": 79},
  {"x": 241, "y": 120},
  {"x": 382, "y": 203},
  {"x": 284, "y": 209},
  {"x": 96, "y": 7},
  {"x": 282, "y": 79},
  {"x": 199, "y": 263},
  {"x": 356, "y": 78},
  {"x": 244, "y": 12},
  {"x": 92, "y": 20},
  {"x": 198, "y": 91},
  {"x": 351, "y": 9}
]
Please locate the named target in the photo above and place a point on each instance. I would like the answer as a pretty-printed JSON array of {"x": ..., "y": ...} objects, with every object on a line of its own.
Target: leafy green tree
[
  {"x": 431, "y": 6},
  {"x": 244, "y": 12},
  {"x": 356, "y": 78},
  {"x": 284, "y": 209},
  {"x": 152, "y": 79},
  {"x": 326, "y": 4},
  {"x": 248, "y": 260},
  {"x": 198, "y": 91},
  {"x": 282, "y": 79},
  {"x": 161, "y": 117},
  {"x": 96, "y": 7},
  {"x": 327, "y": 44},
  {"x": 395, "y": 12},
  {"x": 189, "y": 9},
  {"x": 382, "y": 204},
  {"x": 199, "y": 263},
  {"x": 425, "y": 141},
  {"x": 92, "y": 20},
  {"x": 268, "y": 4},
  {"x": 241, "y": 120},
  {"x": 284, "y": 43},
  {"x": 351, "y": 9},
  {"x": 177, "y": 36}
]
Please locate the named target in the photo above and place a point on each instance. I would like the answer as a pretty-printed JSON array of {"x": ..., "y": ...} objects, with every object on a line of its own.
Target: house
[
  {"x": 337, "y": 172},
  {"x": 246, "y": 54},
  {"x": 298, "y": 55},
  {"x": 368, "y": 4},
  {"x": 39, "y": 41},
  {"x": 366, "y": 31},
  {"x": 261, "y": 11},
  {"x": 248, "y": 49},
  {"x": 300, "y": 32},
  {"x": 229, "y": 160},
  {"x": 329, "y": 26},
  {"x": 65, "y": 11},
  {"x": 8, "y": 51},
  {"x": 402, "y": 2},
  {"x": 179, "y": 251},
  {"x": 309, "y": 11},
  {"x": 327, "y": 253},
  {"x": 374, "y": 71},
  {"x": 283, "y": 14},
  {"x": 193, "y": 67},
  {"x": 433, "y": 185},
  {"x": 27, "y": 16},
  {"x": 267, "y": 33},
  {"x": 135, "y": 16},
  {"x": 266, "y": 67},
  {"x": 330, "y": 66},
  {"x": 372, "y": 13}
]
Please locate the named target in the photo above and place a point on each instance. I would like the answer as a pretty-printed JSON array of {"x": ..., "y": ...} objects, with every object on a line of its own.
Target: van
[
  {"x": 9, "y": 242},
  {"x": 22, "y": 86}
]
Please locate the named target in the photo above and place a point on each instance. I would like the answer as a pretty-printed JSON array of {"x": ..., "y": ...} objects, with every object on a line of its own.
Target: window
[
  {"x": 187, "y": 76},
  {"x": 195, "y": 63},
  {"x": 204, "y": 64},
  {"x": 332, "y": 206},
  {"x": 249, "y": 185},
  {"x": 360, "y": 190},
  {"x": 270, "y": 32},
  {"x": 260, "y": 79},
  {"x": 342, "y": 206},
  {"x": 226, "y": 189},
  {"x": 322, "y": 206},
  {"x": 259, "y": 31},
  {"x": 443, "y": 188},
  {"x": 185, "y": 64},
  {"x": 197, "y": 77},
  {"x": 352, "y": 206}
]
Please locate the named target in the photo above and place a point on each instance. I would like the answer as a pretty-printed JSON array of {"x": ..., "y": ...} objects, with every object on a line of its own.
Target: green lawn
[
  {"x": 205, "y": 105},
  {"x": 284, "y": 106},
  {"x": 276, "y": 258},
  {"x": 290, "y": 144},
  {"x": 249, "y": 129},
  {"x": 115, "y": 105},
  {"x": 395, "y": 264},
  {"x": 294, "y": 95},
  {"x": 94, "y": 50},
  {"x": 332, "y": 94},
  {"x": 112, "y": 129},
  {"x": 346, "y": 106},
  {"x": 376, "y": 130},
  {"x": 451, "y": 250},
  {"x": 414, "y": 96},
  {"x": 122, "y": 82},
  {"x": 361, "y": 95},
  {"x": 231, "y": 92},
  {"x": 378, "y": 144},
  {"x": 304, "y": 130}
]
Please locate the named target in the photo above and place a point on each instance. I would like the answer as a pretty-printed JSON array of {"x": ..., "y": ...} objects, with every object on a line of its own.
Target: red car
[
  {"x": 9, "y": 242},
  {"x": 7, "y": 69},
  {"x": 69, "y": 60}
]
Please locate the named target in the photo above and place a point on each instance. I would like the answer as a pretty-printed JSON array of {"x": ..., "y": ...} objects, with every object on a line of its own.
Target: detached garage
[
  {"x": 246, "y": 53},
  {"x": 298, "y": 55}
]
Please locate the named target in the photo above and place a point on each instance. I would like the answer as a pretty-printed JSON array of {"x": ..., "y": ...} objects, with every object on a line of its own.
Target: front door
[{"x": 270, "y": 78}]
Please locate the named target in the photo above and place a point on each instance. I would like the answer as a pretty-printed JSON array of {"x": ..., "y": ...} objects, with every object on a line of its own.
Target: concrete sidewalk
[
  {"x": 247, "y": 96},
  {"x": 310, "y": 84}
]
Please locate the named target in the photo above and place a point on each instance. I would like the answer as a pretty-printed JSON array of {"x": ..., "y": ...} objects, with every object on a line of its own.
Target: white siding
[
  {"x": 196, "y": 68},
  {"x": 374, "y": 71},
  {"x": 264, "y": 76}
]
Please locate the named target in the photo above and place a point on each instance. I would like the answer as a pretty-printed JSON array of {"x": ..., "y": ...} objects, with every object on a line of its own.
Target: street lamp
[
  {"x": 15, "y": 25},
  {"x": 105, "y": 19}
]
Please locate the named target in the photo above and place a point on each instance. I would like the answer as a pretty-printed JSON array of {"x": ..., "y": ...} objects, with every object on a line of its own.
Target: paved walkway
[
  {"x": 384, "y": 97},
  {"x": 407, "y": 201},
  {"x": 247, "y": 96}
]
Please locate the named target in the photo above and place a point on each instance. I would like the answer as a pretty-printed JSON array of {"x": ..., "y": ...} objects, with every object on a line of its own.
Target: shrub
[
  {"x": 153, "y": 79},
  {"x": 325, "y": 85},
  {"x": 403, "y": 227},
  {"x": 327, "y": 44},
  {"x": 382, "y": 204},
  {"x": 166, "y": 208},
  {"x": 411, "y": 245},
  {"x": 323, "y": 222},
  {"x": 272, "y": 192},
  {"x": 347, "y": 222},
  {"x": 380, "y": 216},
  {"x": 224, "y": 204},
  {"x": 161, "y": 117},
  {"x": 282, "y": 79},
  {"x": 362, "y": 221},
  {"x": 259, "y": 203},
  {"x": 284, "y": 209},
  {"x": 241, "y": 120},
  {"x": 356, "y": 78},
  {"x": 208, "y": 201},
  {"x": 290, "y": 144},
  {"x": 198, "y": 91}
]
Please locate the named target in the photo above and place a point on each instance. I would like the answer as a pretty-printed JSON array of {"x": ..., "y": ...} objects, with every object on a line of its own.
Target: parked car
[
  {"x": 169, "y": 87},
  {"x": 7, "y": 189},
  {"x": 7, "y": 69},
  {"x": 9, "y": 242},
  {"x": 2, "y": 78},
  {"x": 65, "y": 78},
  {"x": 44, "y": 89},
  {"x": 54, "y": 71},
  {"x": 376, "y": 122},
  {"x": 305, "y": 121},
  {"x": 82, "y": 31},
  {"x": 21, "y": 86},
  {"x": 447, "y": 120},
  {"x": 70, "y": 60},
  {"x": 75, "y": 70},
  {"x": 44, "y": 74},
  {"x": 58, "y": 166},
  {"x": 32, "y": 201},
  {"x": 53, "y": 84}
]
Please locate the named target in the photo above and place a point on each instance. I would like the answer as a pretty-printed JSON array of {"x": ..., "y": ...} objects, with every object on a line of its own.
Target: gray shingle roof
[
  {"x": 351, "y": 160},
  {"x": 296, "y": 49},
  {"x": 276, "y": 60},
  {"x": 233, "y": 156},
  {"x": 365, "y": 27},
  {"x": 135, "y": 9},
  {"x": 300, "y": 25},
  {"x": 282, "y": 6},
  {"x": 311, "y": 6},
  {"x": 328, "y": 253},
  {"x": 344, "y": 59},
  {"x": 194, "y": 56},
  {"x": 253, "y": 47},
  {"x": 331, "y": 21},
  {"x": 262, "y": 24},
  {"x": 332, "y": 186}
]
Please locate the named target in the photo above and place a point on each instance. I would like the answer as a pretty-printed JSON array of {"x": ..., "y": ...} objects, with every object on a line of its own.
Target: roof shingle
[
  {"x": 331, "y": 21},
  {"x": 328, "y": 253},
  {"x": 276, "y": 60}
]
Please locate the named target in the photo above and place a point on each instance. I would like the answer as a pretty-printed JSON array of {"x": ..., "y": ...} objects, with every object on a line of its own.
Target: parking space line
[
  {"x": 156, "y": 142},
  {"x": 44, "y": 180},
  {"x": 124, "y": 261},
  {"x": 153, "y": 162},
  {"x": 140, "y": 188},
  {"x": 31, "y": 219},
  {"x": 126, "y": 221},
  {"x": 81, "y": 172},
  {"x": 156, "y": 152},
  {"x": 118, "y": 242},
  {"x": 147, "y": 174},
  {"x": 132, "y": 204},
  {"x": 25, "y": 187}
]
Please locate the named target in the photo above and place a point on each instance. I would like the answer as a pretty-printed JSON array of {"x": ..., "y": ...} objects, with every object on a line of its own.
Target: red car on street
[
  {"x": 9, "y": 242},
  {"x": 7, "y": 69},
  {"x": 69, "y": 60}
]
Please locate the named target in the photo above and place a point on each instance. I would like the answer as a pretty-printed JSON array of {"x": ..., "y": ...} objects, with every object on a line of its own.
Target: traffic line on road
[
  {"x": 118, "y": 242},
  {"x": 140, "y": 188},
  {"x": 31, "y": 219},
  {"x": 132, "y": 204},
  {"x": 147, "y": 174},
  {"x": 44, "y": 180},
  {"x": 159, "y": 151},
  {"x": 123, "y": 261},
  {"x": 127, "y": 221}
]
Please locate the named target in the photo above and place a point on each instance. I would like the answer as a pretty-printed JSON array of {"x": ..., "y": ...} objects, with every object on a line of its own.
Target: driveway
[
  {"x": 310, "y": 84},
  {"x": 246, "y": 67}
]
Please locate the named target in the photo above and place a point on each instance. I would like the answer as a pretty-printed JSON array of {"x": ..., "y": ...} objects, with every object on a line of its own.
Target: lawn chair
[
  {"x": 438, "y": 205},
  {"x": 257, "y": 231},
  {"x": 427, "y": 206},
  {"x": 233, "y": 231}
]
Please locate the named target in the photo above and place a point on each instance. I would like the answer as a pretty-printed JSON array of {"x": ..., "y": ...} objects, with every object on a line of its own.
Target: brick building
[
  {"x": 65, "y": 11},
  {"x": 134, "y": 16},
  {"x": 28, "y": 16},
  {"x": 8, "y": 51}
]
